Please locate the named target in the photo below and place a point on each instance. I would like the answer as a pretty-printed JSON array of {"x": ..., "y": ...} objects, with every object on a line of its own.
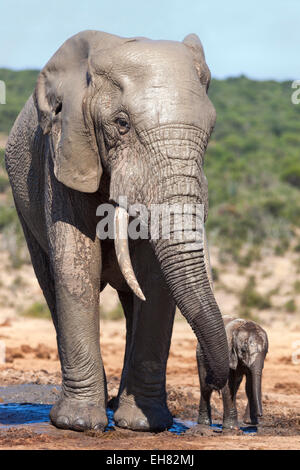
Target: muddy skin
[
  {"x": 109, "y": 117},
  {"x": 248, "y": 346}
]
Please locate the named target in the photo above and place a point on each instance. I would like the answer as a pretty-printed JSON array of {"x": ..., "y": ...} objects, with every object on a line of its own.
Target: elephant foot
[
  {"x": 204, "y": 419},
  {"x": 230, "y": 425},
  {"x": 148, "y": 417},
  {"x": 78, "y": 415},
  {"x": 248, "y": 420}
]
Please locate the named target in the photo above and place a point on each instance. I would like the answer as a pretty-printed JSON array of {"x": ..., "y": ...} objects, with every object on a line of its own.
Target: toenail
[
  {"x": 80, "y": 424},
  {"x": 122, "y": 423},
  {"x": 142, "y": 423},
  {"x": 99, "y": 427},
  {"x": 62, "y": 421}
]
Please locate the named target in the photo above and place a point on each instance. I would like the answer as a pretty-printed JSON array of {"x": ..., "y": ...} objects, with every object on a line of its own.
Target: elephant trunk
[
  {"x": 176, "y": 154},
  {"x": 185, "y": 274},
  {"x": 256, "y": 375}
]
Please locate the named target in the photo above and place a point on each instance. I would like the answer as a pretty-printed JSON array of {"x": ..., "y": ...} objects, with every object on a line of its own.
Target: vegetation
[
  {"x": 252, "y": 163},
  {"x": 291, "y": 306},
  {"x": 19, "y": 86},
  {"x": 37, "y": 310},
  {"x": 250, "y": 298},
  {"x": 114, "y": 314}
]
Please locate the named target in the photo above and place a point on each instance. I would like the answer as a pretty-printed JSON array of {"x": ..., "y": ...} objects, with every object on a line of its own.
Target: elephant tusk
[
  {"x": 207, "y": 261},
  {"x": 122, "y": 251}
]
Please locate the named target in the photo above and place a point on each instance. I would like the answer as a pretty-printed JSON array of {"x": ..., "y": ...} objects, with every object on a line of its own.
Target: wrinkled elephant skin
[{"x": 113, "y": 117}]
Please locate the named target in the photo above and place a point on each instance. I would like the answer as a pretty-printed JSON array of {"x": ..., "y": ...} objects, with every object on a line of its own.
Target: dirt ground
[{"x": 32, "y": 358}]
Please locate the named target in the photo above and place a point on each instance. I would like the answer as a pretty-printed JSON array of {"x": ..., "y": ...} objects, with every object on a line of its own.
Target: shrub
[
  {"x": 292, "y": 175},
  {"x": 297, "y": 287},
  {"x": 8, "y": 216},
  {"x": 114, "y": 314},
  {"x": 250, "y": 298},
  {"x": 37, "y": 310},
  {"x": 2, "y": 161},
  {"x": 290, "y": 306},
  {"x": 246, "y": 313},
  {"x": 4, "y": 183}
]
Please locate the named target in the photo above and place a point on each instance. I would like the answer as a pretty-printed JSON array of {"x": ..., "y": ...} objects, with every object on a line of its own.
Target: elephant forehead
[
  {"x": 149, "y": 61},
  {"x": 159, "y": 83}
]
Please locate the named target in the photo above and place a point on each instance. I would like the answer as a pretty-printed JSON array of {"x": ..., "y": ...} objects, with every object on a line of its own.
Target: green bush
[
  {"x": 250, "y": 298},
  {"x": 2, "y": 161},
  {"x": 4, "y": 183},
  {"x": 246, "y": 313},
  {"x": 292, "y": 175},
  {"x": 8, "y": 216},
  {"x": 19, "y": 86},
  {"x": 297, "y": 287},
  {"x": 290, "y": 306},
  {"x": 114, "y": 314},
  {"x": 37, "y": 310}
]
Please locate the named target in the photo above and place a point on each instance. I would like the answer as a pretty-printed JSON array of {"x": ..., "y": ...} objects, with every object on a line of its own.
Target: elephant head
[{"x": 138, "y": 111}]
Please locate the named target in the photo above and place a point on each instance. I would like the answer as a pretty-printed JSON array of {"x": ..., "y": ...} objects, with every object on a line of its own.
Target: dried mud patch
[
  {"x": 21, "y": 437},
  {"x": 280, "y": 422},
  {"x": 12, "y": 376},
  {"x": 288, "y": 388}
]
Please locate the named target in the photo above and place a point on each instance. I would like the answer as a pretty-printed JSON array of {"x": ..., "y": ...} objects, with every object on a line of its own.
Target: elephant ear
[
  {"x": 195, "y": 46},
  {"x": 231, "y": 334},
  {"x": 233, "y": 357},
  {"x": 61, "y": 95}
]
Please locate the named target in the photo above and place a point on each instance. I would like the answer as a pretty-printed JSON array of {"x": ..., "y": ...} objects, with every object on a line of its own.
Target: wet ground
[
  {"x": 33, "y": 374},
  {"x": 31, "y": 403}
]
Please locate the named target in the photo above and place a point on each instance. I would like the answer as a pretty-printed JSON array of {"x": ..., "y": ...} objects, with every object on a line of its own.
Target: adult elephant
[{"x": 116, "y": 117}]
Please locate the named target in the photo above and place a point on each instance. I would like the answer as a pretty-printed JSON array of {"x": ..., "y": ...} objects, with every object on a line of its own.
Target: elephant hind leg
[
  {"x": 229, "y": 392},
  {"x": 204, "y": 416},
  {"x": 142, "y": 402},
  {"x": 126, "y": 299}
]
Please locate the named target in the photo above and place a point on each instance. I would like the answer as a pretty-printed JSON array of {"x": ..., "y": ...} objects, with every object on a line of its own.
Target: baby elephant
[{"x": 248, "y": 346}]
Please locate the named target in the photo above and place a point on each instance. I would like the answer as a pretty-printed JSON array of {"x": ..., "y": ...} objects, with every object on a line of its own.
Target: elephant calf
[{"x": 248, "y": 346}]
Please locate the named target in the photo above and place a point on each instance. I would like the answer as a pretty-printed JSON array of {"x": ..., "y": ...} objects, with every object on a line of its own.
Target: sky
[{"x": 257, "y": 38}]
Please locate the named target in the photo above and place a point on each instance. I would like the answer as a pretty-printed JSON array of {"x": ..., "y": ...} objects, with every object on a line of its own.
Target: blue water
[
  {"x": 23, "y": 413},
  {"x": 28, "y": 413},
  {"x": 245, "y": 429}
]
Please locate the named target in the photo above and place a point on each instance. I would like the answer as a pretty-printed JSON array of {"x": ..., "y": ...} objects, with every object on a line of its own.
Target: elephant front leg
[
  {"x": 76, "y": 267},
  {"x": 142, "y": 402},
  {"x": 230, "y": 415}
]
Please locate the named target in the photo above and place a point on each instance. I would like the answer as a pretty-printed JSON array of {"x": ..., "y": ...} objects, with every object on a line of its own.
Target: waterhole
[{"x": 12, "y": 414}]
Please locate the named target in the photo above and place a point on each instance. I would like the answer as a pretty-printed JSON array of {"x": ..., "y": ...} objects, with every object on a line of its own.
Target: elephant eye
[{"x": 123, "y": 125}]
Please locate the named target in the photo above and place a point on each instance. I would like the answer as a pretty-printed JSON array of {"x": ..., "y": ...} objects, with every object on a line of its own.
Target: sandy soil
[{"x": 32, "y": 358}]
